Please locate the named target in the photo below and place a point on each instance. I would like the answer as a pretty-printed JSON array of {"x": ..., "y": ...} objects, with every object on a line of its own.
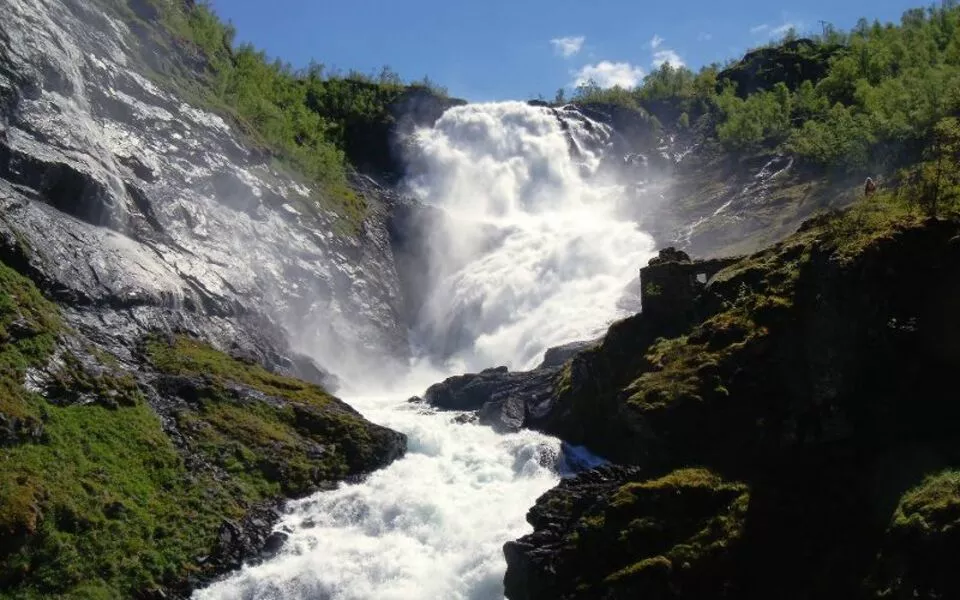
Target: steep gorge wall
[
  {"x": 788, "y": 433},
  {"x": 165, "y": 403},
  {"x": 139, "y": 209}
]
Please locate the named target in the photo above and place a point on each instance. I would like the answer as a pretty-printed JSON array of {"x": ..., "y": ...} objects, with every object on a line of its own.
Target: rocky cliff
[
  {"x": 786, "y": 428},
  {"x": 156, "y": 413}
]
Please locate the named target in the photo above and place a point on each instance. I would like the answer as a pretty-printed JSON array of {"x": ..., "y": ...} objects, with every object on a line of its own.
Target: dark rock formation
[
  {"x": 774, "y": 439},
  {"x": 589, "y": 531},
  {"x": 671, "y": 284},
  {"x": 507, "y": 401},
  {"x": 633, "y": 129},
  {"x": 556, "y": 356},
  {"x": 376, "y": 144},
  {"x": 790, "y": 63}
]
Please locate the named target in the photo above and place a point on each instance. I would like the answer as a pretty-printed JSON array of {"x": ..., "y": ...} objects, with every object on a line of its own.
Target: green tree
[
  {"x": 560, "y": 97},
  {"x": 940, "y": 173}
]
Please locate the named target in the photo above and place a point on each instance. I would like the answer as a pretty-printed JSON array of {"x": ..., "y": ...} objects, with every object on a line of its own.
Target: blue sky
[{"x": 501, "y": 49}]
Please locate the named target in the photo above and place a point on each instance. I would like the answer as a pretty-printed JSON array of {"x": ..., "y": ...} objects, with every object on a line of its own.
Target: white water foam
[
  {"x": 533, "y": 256},
  {"x": 429, "y": 526},
  {"x": 534, "y": 253}
]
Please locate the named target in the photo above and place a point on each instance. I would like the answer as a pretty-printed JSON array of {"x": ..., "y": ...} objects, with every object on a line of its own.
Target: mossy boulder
[
  {"x": 666, "y": 537},
  {"x": 270, "y": 432},
  {"x": 923, "y": 542}
]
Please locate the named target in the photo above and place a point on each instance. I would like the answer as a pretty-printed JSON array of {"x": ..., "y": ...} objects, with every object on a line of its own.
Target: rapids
[{"x": 532, "y": 254}]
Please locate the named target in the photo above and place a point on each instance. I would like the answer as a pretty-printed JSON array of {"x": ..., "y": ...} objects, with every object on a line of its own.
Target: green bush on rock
[{"x": 923, "y": 541}]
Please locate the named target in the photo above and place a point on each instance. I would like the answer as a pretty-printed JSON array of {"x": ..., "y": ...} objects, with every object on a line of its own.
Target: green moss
[
  {"x": 28, "y": 329},
  {"x": 922, "y": 542},
  {"x": 187, "y": 356},
  {"x": 104, "y": 502},
  {"x": 869, "y": 221},
  {"x": 643, "y": 531},
  {"x": 644, "y": 568},
  {"x": 110, "y": 386},
  {"x": 931, "y": 509},
  {"x": 99, "y": 504},
  {"x": 564, "y": 380},
  {"x": 268, "y": 447}
]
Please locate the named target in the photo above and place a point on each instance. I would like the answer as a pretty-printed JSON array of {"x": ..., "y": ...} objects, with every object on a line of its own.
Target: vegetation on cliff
[
  {"x": 868, "y": 98},
  {"x": 319, "y": 123},
  {"x": 101, "y": 498},
  {"x": 304, "y": 438},
  {"x": 810, "y": 374}
]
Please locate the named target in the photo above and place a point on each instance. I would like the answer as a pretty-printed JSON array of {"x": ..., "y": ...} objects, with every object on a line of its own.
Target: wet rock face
[
  {"x": 122, "y": 197},
  {"x": 141, "y": 215},
  {"x": 504, "y": 400}
]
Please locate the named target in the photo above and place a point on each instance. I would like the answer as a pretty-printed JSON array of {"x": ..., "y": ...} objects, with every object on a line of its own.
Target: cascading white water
[{"x": 533, "y": 255}]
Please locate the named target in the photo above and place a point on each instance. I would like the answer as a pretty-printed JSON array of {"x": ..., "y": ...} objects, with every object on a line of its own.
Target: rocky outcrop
[
  {"x": 179, "y": 450},
  {"x": 558, "y": 355},
  {"x": 608, "y": 533},
  {"x": 789, "y": 63},
  {"x": 132, "y": 206},
  {"x": 165, "y": 403},
  {"x": 787, "y": 421},
  {"x": 506, "y": 401}
]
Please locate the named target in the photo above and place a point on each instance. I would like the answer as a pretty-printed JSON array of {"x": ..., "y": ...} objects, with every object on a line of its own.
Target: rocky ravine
[
  {"x": 786, "y": 429},
  {"x": 190, "y": 275}
]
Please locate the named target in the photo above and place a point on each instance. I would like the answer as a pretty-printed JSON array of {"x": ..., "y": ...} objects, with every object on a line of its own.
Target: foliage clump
[{"x": 874, "y": 98}]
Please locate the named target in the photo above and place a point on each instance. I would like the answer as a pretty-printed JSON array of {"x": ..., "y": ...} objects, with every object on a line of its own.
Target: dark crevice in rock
[{"x": 61, "y": 185}]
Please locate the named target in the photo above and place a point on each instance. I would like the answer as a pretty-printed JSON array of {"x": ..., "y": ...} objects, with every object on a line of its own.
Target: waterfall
[{"x": 531, "y": 254}]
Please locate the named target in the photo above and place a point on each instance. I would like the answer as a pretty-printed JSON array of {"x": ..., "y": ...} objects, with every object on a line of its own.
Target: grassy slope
[{"x": 96, "y": 501}]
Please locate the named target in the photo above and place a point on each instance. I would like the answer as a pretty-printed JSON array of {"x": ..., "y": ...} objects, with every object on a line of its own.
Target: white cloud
[
  {"x": 704, "y": 37},
  {"x": 568, "y": 46},
  {"x": 667, "y": 56},
  {"x": 779, "y": 31},
  {"x": 607, "y": 74},
  {"x": 656, "y": 41},
  {"x": 767, "y": 30}
]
